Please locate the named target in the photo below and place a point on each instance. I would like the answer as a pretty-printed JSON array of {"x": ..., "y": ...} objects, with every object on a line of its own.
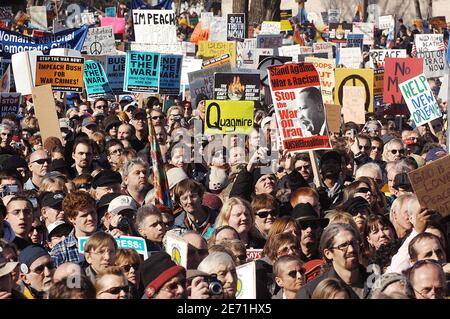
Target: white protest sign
[
  {"x": 177, "y": 248},
  {"x": 353, "y": 104},
  {"x": 218, "y": 29},
  {"x": 386, "y": 22},
  {"x": 24, "y": 70},
  {"x": 100, "y": 41},
  {"x": 270, "y": 27},
  {"x": 246, "y": 286},
  {"x": 38, "y": 17},
  {"x": 377, "y": 56},
  {"x": 171, "y": 48},
  {"x": 334, "y": 16},
  {"x": 350, "y": 57},
  {"x": 429, "y": 42},
  {"x": 434, "y": 63},
  {"x": 365, "y": 28},
  {"x": 290, "y": 50},
  {"x": 155, "y": 26},
  {"x": 65, "y": 52},
  {"x": 189, "y": 65},
  {"x": 420, "y": 100}
]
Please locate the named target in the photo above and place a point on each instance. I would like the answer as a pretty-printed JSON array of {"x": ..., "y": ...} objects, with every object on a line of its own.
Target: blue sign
[
  {"x": 355, "y": 40},
  {"x": 123, "y": 242},
  {"x": 14, "y": 42},
  {"x": 95, "y": 79},
  {"x": 115, "y": 69},
  {"x": 110, "y": 11},
  {"x": 170, "y": 74},
  {"x": 142, "y": 72}
]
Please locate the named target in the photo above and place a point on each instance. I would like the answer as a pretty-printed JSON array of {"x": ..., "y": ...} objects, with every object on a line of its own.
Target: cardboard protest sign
[
  {"x": 115, "y": 70},
  {"x": 177, "y": 248},
  {"x": 334, "y": 16},
  {"x": 431, "y": 184},
  {"x": 170, "y": 48},
  {"x": 45, "y": 110},
  {"x": 170, "y": 74},
  {"x": 298, "y": 105},
  {"x": 378, "y": 88},
  {"x": 237, "y": 86},
  {"x": 9, "y": 103},
  {"x": 377, "y": 57},
  {"x": 118, "y": 24},
  {"x": 95, "y": 79},
  {"x": 38, "y": 17},
  {"x": 269, "y": 41},
  {"x": 435, "y": 63},
  {"x": 355, "y": 40},
  {"x": 155, "y": 26},
  {"x": 429, "y": 42},
  {"x": 223, "y": 59},
  {"x": 202, "y": 81},
  {"x": 365, "y": 28},
  {"x": 189, "y": 65},
  {"x": 325, "y": 68},
  {"x": 5, "y": 80},
  {"x": 208, "y": 50},
  {"x": 100, "y": 41},
  {"x": 65, "y": 74},
  {"x": 236, "y": 27},
  {"x": 350, "y": 57},
  {"x": 354, "y": 77},
  {"x": 339, "y": 32},
  {"x": 246, "y": 285},
  {"x": 228, "y": 117},
  {"x": 141, "y": 72},
  {"x": 218, "y": 29},
  {"x": 420, "y": 100},
  {"x": 398, "y": 70},
  {"x": 333, "y": 113},
  {"x": 353, "y": 104},
  {"x": 270, "y": 27}
]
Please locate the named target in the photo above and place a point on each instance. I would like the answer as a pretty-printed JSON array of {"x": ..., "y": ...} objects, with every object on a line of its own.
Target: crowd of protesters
[{"x": 321, "y": 236}]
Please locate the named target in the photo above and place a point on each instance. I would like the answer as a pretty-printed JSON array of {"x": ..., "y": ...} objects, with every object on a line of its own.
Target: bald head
[
  {"x": 198, "y": 249},
  {"x": 71, "y": 271},
  {"x": 36, "y": 155}
]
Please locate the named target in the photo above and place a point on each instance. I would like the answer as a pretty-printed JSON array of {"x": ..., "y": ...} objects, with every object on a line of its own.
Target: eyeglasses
[
  {"x": 401, "y": 151},
  {"x": 154, "y": 118},
  {"x": 309, "y": 224},
  {"x": 117, "y": 151},
  {"x": 293, "y": 273},
  {"x": 41, "y": 161},
  {"x": 285, "y": 250},
  {"x": 363, "y": 190},
  {"x": 344, "y": 246},
  {"x": 104, "y": 252},
  {"x": 117, "y": 290},
  {"x": 39, "y": 269},
  {"x": 127, "y": 268},
  {"x": 39, "y": 229},
  {"x": 266, "y": 213}
]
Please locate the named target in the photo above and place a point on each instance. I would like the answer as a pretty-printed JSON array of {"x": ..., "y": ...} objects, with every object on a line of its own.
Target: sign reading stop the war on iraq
[
  {"x": 65, "y": 74},
  {"x": 420, "y": 100},
  {"x": 298, "y": 105}
]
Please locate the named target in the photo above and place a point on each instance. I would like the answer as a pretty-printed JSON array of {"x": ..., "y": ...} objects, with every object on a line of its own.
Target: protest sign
[
  {"x": 431, "y": 184},
  {"x": 302, "y": 57},
  {"x": 325, "y": 68},
  {"x": 420, "y": 100},
  {"x": 208, "y": 50},
  {"x": 236, "y": 27},
  {"x": 269, "y": 41},
  {"x": 438, "y": 22},
  {"x": 65, "y": 74},
  {"x": 115, "y": 70},
  {"x": 435, "y": 63},
  {"x": 24, "y": 70},
  {"x": 100, "y": 41},
  {"x": 123, "y": 242},
  {"x": 398, "y": 70},
  {"x": 177, "y": 248},
  {"x": 223, "y": 59},
  {"x": 365, "y": 28},
  {"x": 110, "y": 11},
  {"x": 65, "y": 52},
  {"x": 202, "y": 81},
  {"x": 246, "y": 285},
  {"x": 242, "y": 50},
  {"x": 386, "y": 22},
  {"x": 333, "y": 113},
  {"x": 170, "y": 74},
  {"x": 250, "y": 57},
  {"x": 13, "y": 42},
  {"x": 228, "y": 117},
  {"x": 155, "y": 26},
  {"x": 334, "y": 16},
  {"x": 38, "y": 17},
  {"x": 377, "y": 57},
  {"x": 339, "y": 31},
  {"x": 189, "y": 65},
  {"x": 350, "y": 57},
  {"x": 298, "y": 105},
  {"x": 45, "y": 110},
  {"x": 237, "y": 86},
  {"x": 218, "y": 29},
  {"x": 378, "y": 88},
  {"x": 354, "y": 77},
  {"x": 95, "y": 79},
  {"x": 353, "y": 104},
  {"x": 285, "y": 24},
  {"x": 270, "y": 27},
  {"x": 9, "y": 103},
  {"x": 141, "y": 72},
  {"x": 87, "y": 18},
  {"x": 118, "y": 24},
  {"x": 254, "y": 254},
  {"x": 429, "y": 42},
  {"x": 290, "y": 50},
  {"x": 5, "y": 80},
  {"x": 187, "y": 49},
  {"x": 170, "y": 48},
  {"x": 355, "y": 40}
]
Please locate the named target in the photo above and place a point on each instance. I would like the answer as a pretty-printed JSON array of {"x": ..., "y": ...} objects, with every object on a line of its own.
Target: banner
[
  {"x": 155, "y": 26},
  {"x": 298, "y": 105},
  {"x": 236, "y": 27},
  {"x": 365, "y": 28},
  {"x": 202, "y": 81},
  {"x": 339, "y": 31},
  {"x": 420, "y": 100},
  {"x": 377, "y": 57},
  {"x": 228, "y": 117},
  {"x": 325, "y": 68},
  {"x": 177, "y": 248},
  {"x": 435, "y": 63},
  {"x": 170, "y": 74},
  {"x": 246, "y": 285},
  {"x": 354, "y": 77},
  {"x": 95, "y": 79},
  {"x": 65, "y": 74},
  {"x": 9, "y": 103},
  {"x": 270, "y": 27},
  {"x": 237, "y": 86},
  {"x": 398, "y": 70},
  {"x": 429, "y": 42},
  {"x": 208, "y": 50},
  {"x": 115, "y": 70},
  {"x": 141, "y": 72},
  {"x": 13, "y": 42},
  {"x": 100, "y": 41}
]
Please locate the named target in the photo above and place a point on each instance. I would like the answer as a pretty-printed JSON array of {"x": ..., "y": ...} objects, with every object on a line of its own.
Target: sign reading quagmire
[{"x": 229, "y": 117}]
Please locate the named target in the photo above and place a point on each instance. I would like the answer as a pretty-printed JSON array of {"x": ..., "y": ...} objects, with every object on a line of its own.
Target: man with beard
[
  {"x": 330, "y": 169},
  {"x": 340, "y": 248},
  {"x": 82, "y": 155},
  {"x": 38, "y": 164},
  {"x": 135, "y": 176}
]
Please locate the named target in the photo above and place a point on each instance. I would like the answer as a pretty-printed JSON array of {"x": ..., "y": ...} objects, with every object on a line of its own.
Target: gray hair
[
  {"x": 212, "y": 262},
  {"x": 331, "y": 231},
  {"x": 399, "y": 202},
  {"x": 368, "y": 166},
  {"x": 388, "y": 146},
  {"x": 126, "y": 170},
  {"x": 4, "y": 126},
  {"x": 143, "y": 212}
]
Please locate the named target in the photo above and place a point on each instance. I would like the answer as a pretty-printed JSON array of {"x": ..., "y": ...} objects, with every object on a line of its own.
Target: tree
[{"x": 418, "y": 11}]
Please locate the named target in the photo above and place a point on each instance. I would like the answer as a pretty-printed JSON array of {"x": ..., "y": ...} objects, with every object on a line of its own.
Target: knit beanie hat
[{"x": 29, "y": 255}]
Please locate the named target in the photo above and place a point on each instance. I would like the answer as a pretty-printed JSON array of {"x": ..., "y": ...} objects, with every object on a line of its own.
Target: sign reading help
[{"x": 420, "y": 100}]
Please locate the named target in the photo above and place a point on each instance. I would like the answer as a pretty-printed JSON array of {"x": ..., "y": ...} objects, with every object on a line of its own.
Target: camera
[
  {"x": 123, "y": 225},
  {"x": 10, "y": 190},
  {"x": 176, "y": 118},
  {"x": 214, "y": 285}
]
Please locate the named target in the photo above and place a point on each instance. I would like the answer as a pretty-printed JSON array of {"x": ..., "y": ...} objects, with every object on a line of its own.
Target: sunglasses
[
  {"x": 154, "y": 118},
  {"x": 402, "y": 151},
  {"x": 39, "y": 269},
  {"x": 117, "y": 290},
  {"x": 376, "y": 148},
  {"x": 293, "y": 273},
  {"x": 39, "y": 229},
  {"x": 363, "y": 190},
  {"x": 264, "y": 214},
  {"x": 85, "y": 186},
  {"x": 309, "y": 224},
  {"x": 365, "y": 147},
  {"x": 42, "y": 161},
  {"x": 127, "y": 268}
]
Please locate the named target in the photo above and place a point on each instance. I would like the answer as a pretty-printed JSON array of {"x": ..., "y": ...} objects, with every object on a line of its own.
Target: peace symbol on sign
[
  {"x": 266, "y": 63},
  {"x": 96, "y": 48}
]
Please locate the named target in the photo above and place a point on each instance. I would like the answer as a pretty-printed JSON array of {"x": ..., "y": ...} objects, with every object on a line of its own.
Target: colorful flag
[{"x": 160, "y": 183}]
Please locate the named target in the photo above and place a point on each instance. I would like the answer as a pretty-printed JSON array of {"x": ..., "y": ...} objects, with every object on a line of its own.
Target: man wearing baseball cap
[
  {"x": 51, "y": 207},
  {"x": 120, "y": 215},
  {"x": 57, "y": 232}
]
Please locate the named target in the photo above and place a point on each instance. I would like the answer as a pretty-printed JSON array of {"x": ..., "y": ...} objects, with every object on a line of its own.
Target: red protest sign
[{"x": 398, "y": 70}]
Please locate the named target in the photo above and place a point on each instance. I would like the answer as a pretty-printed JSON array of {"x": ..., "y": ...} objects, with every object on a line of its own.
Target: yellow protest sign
[
  {"x": 229, "y": 117},
  {"x": 208, "y": 50},
  {"x": 354, "y": 77},
  {"x": 325, "y": 67}
]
